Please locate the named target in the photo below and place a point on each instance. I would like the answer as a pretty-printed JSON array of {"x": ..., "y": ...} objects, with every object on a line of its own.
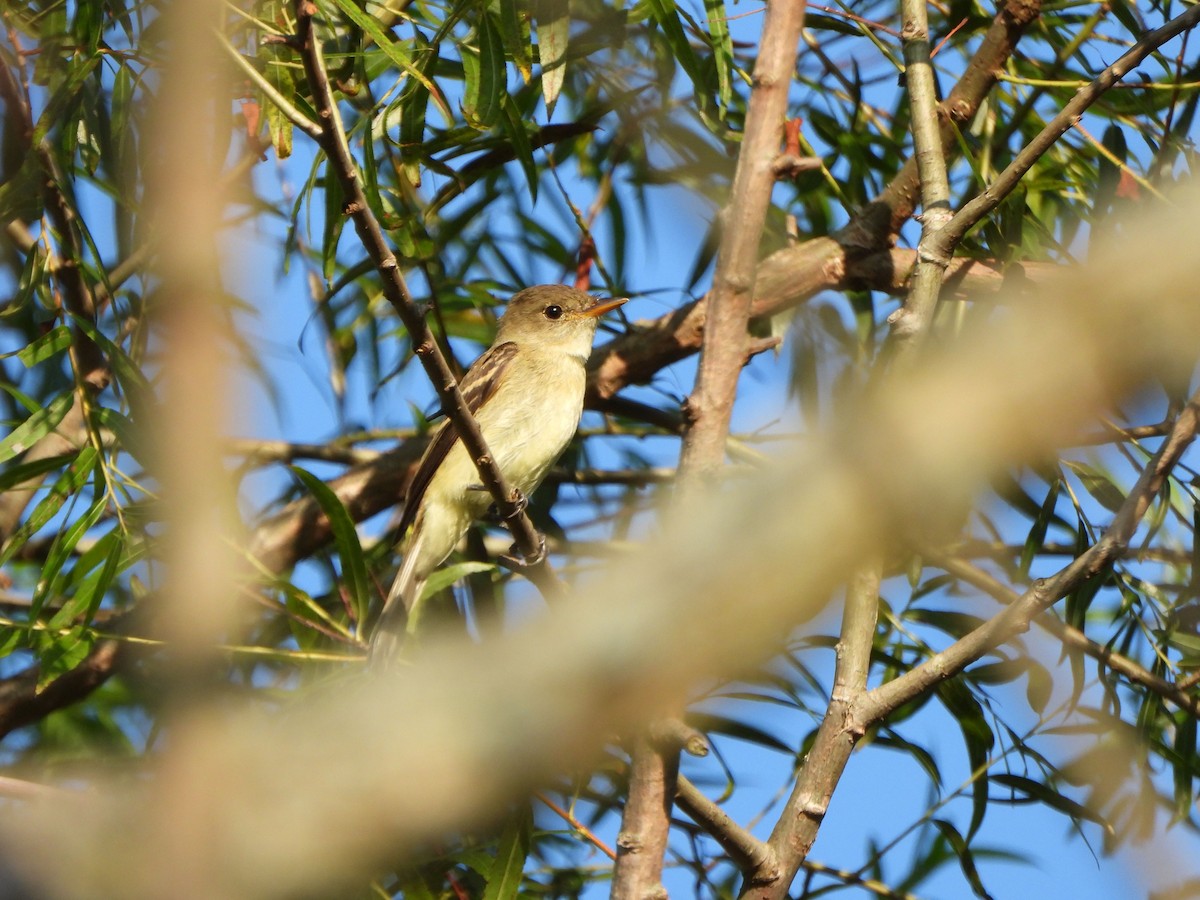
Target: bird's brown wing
[{"x": 477, "y": 386}]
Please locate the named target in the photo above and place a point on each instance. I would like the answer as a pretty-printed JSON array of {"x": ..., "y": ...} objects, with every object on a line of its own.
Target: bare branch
[
  {"x": 910, "y": 324},
  {"x": 645, "y": 822},
  {"x": 837, "y": 735},
  {"x": 746, "y": 851},
  {"x": 725, "y": 337}
]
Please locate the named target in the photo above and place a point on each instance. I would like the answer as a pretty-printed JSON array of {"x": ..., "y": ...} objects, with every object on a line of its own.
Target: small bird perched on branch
[{"x": 526, "y": 393}]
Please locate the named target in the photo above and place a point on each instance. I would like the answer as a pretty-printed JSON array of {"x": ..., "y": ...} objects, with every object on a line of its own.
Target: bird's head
[{"x": 553, "y": 315}]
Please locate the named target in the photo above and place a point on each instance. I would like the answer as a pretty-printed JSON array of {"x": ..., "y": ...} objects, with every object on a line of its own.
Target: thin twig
[{"x": 584, "y": 831}]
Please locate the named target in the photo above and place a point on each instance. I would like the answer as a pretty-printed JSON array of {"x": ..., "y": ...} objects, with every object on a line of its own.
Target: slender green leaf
[
  {"x": 553, "y": 33},
  {"x": 37, "y": 426},
  {"x": 63, "y": 489},
  {"x": 447, "y": 576},
  {"x": 966, "y": 859},
  {"x": 395, "y": 52},
  {"x": 513, "y": 18},
  {"x": 345, "y": 538},
  {"x": 50, "y": 580},
  {"x": 55, "y": 341},
  {"x": 507, "y": 872}
]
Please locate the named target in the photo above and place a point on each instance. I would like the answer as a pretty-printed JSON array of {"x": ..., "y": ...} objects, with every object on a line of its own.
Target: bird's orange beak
[{"x": 600, "y": 307}]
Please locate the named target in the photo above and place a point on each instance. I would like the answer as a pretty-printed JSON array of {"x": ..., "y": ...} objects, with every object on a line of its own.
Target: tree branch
[
  {"x": 746, "y": 851},
  {"x": 910, "y": 324},
  {"x": 942, "y": 247},
  {"x": 723, "y": 353},
  {"x": 1016, "y": 617},
  {"x": 1072, "y": 636},
  {"x": 794, "y": 833}
]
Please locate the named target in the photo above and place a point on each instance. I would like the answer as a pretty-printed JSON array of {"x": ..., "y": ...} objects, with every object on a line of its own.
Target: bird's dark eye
[{"x": 553, "y": 312}]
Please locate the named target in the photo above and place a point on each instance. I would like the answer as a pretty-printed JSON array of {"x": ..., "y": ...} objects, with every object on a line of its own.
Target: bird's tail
[{"x": 393, "y": 625}]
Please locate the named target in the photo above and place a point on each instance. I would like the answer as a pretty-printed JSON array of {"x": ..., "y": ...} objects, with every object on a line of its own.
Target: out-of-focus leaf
[
  {"x": 553, "y": 32},
  {"x": 513, "y": 18},
  {"x": 1035, "y": 790},
  {"x": 1098, "y": 484},
  {"x": 37, "y": 426},
  {"x": 713, "y": 723},
  {"x": 504, "y": 878},
  {"x": 446, "y": 576},
  {"x": 966, "y": 859},
  {"x": 977, "y": 736},
  {"x": 345, "y": 539},
  {"x": 1037, "y": 533},
  {"x": 1184, "y": 774},
  {"x": 55, "y": 341}
]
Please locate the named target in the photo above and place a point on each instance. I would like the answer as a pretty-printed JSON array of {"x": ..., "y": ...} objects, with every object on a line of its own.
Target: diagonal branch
[
  {"x": 341, "y": 162},
  {"x": 1073, "y": 637},
  {"x": 1016, "y": 617},
  {"x": 942, "y": 247}
]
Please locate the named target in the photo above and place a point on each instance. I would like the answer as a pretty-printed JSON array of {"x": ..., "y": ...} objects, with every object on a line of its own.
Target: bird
[{"x": 526, "y": 392}]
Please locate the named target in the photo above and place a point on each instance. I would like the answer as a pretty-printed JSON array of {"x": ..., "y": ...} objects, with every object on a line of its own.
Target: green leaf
[
  {"x": 666, "y": 14},
  {"x": 483, "y": 70},
  {"x": 1048, "y": 796},
  {"x": 977, "y": 736},
  {"x": 335, "y": 221},
  {"x": 513, "y": 20},
  {"x": 91, "y": 589},
  {"x": 414, "y": 104},
  {"x": 48, "y": 346},
  {"x": 21, "y": 195},
  {"x": 966, "y": 860},
  {"x": 722, "y": 45},
  {"x": 1099, "y": 485},
  {"x": 345, "y": 539},
  {"x": 396, "y": 53},
  {"x": 63, "y": 489},
  {"x": 507, "y": 872},
  {"x": 448, "y": 575},
  {"x": 25, "y": 473},
  {"x": 37, "y": 426},
  {"x": 1037, "y": 534},
  {"x": 514, "y": 127},
  {"x": 1185, "y": 749},
  {"x": 553, "y": 32},
  {"x": 49, "y": 578}
]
